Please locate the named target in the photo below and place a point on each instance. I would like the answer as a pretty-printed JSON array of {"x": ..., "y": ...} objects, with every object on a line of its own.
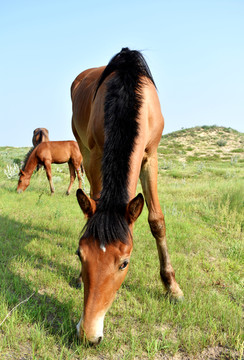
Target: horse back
[
  {"x": 88, "y": 122},
  {"x": 58, "y": 151}
]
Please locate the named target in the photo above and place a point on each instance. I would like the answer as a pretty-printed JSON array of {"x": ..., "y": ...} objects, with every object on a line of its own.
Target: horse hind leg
[
  {"x": 156, "y": 221},
  {"x": 72, "y": 177},
  {"x": 80, "y": 171}
]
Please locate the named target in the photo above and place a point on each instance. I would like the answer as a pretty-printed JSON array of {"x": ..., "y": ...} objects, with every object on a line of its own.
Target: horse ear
[
  {"x": 87, "y": 205},
  {"x": 134, "y": 208},
  {"x": 21, "y": 172}
]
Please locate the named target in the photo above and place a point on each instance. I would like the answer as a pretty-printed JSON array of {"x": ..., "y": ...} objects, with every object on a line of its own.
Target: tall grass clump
[{"x": 12, "y": 171}]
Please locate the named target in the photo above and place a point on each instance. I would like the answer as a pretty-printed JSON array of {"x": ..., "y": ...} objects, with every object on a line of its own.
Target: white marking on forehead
[{"x": 102, "y": 247}]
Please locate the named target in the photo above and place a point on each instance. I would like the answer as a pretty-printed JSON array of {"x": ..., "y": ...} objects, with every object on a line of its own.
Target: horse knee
[{"x": 157, "y": 227}]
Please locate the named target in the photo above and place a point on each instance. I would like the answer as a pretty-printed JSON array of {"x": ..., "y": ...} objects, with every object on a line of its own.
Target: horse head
[
  {"x": 104, "y": 267},
  {"x": 23, "y": 182}
]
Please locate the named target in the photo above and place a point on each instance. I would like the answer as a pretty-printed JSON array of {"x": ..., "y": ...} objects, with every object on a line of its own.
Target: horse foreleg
[
  {"x": 72, "y": 177},
  {"x": 48, "y": 169},
  {"x": 156, "y": 221}
]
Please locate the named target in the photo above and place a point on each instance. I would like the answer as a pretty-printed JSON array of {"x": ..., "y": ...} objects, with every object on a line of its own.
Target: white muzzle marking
[{"x": 95, "y": 332}]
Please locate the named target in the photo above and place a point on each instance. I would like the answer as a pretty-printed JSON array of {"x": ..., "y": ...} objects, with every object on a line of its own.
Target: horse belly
[{"x": 61, "y": 155}]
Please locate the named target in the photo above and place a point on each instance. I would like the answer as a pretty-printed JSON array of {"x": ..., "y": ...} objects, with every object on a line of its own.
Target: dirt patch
[{"x": 211, "y": 353}]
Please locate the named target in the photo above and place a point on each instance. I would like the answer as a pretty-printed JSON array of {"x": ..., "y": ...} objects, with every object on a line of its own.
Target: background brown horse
[
  {"x": 47, "y": 153},
  {"x": 40, "y": 135},
  {"x": 117, "y": 122}
]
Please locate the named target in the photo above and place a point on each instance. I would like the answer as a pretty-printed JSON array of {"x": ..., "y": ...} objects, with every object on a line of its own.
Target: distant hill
[
  {"x": 194, "y": 144},
  {"x": 203, "y": 143}
]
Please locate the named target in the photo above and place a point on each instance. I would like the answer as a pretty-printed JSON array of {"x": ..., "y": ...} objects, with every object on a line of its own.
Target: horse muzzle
[
  {"x": 93, "y": 335},
  {"x": 19, "y": 191}
]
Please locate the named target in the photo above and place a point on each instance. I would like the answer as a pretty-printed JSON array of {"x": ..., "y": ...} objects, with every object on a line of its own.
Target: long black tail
[
  {"x": 121, "y": 108},
  {"x": 41, "y": 136}
]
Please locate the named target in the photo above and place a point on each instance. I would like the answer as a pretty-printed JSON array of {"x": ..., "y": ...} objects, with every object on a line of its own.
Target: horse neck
[{"x": 31, "y": 164}]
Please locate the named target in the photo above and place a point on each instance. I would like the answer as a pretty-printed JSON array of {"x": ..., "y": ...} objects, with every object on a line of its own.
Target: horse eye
[{"x": 123, "y": 266}]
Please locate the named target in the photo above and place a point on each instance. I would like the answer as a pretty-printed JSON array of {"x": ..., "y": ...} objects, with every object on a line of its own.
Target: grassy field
[{"x": 201, "y": 192}]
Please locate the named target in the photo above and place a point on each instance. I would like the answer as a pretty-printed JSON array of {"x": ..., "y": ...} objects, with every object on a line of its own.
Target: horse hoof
[
  {"x": 67, "y": 193},
  {"x": 175, "y": 299}
]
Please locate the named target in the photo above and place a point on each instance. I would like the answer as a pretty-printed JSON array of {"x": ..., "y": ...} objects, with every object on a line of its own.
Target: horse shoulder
[{"x": 44, "y": 151}]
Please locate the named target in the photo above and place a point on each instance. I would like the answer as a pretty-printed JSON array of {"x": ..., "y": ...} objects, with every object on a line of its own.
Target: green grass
[{"x": 203, "y": 207}]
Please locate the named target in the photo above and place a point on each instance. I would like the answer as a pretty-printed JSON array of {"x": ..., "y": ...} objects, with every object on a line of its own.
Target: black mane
[
  {"x": 121, "y": 108},
  {"x": 126, "y": 61},
  {"x": 26, "y": 158}
]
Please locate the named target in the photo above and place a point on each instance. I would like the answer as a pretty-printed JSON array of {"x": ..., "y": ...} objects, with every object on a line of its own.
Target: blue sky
[{"x": 195, "y": 50}]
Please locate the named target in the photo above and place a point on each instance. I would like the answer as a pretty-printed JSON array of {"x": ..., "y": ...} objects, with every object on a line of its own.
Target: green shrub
[
  {"x": 221, "y": 142},
  {"x": 240, "y": 150}
]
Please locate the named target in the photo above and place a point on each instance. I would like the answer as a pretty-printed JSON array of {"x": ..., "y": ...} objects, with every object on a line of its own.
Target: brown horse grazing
[
  {"x": 47, "y": 153},
  {"x": 118, "y": 124},
  {"x": 40, "y": 135}
]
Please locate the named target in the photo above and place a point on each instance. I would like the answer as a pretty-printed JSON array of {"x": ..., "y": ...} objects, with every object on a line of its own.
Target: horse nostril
[{"x": 99, "y": 339}]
